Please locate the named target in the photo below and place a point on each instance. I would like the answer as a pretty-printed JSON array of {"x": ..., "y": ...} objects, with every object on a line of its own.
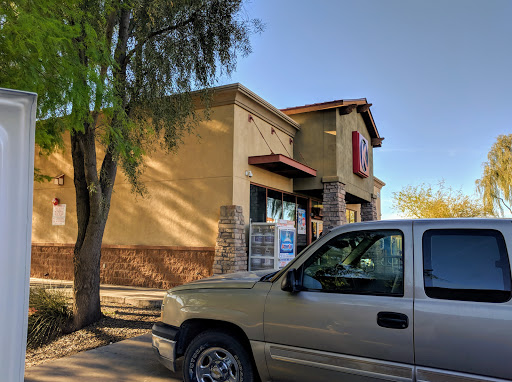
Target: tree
[
  {"x": 425, "y": 201},
  {"x": 119, "y": 75},
  {"x": 495, "y": 186}
]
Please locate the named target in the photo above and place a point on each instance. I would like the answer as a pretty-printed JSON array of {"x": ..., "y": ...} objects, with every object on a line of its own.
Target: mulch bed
[{"x": 121, "y": 322}]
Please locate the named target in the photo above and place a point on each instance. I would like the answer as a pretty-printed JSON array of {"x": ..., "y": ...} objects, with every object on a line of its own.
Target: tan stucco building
[{"x": 251, "y": 161}]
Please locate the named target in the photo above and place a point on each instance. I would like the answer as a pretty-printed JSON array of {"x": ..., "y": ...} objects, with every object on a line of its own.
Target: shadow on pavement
[{"x": 129, "y": 360}]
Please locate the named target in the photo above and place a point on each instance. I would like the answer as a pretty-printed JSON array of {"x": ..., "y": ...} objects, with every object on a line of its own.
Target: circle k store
[{"x": 220, "y": 204}]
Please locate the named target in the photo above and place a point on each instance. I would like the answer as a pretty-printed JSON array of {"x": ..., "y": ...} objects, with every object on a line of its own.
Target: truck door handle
[{"x": 392, "y": 320}]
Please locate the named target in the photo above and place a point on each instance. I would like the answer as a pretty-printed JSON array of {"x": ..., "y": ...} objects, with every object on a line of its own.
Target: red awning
[{"x": 282, "y": 165}]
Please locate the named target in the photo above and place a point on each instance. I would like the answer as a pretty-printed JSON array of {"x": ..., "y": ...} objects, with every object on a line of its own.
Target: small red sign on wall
[{"x": 360, "y": 155}]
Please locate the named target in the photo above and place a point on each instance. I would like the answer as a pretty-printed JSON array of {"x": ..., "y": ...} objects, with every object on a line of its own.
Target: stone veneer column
[
  {"x": 369, "y": 210},
  {"x": 230, "y": 250},
  {"x": 334, "y": 212}
]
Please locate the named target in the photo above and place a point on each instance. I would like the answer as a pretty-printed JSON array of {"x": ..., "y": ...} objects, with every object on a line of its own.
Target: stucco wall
[
  {"x": 377, "y": 190},
  {"x": 331, "y": 154},
  {"x": 317, "y": 146},
  {"x": 248, "y": 142},
  {"x": 354, "y": 184},
  {"x": 185, "y": 192}
]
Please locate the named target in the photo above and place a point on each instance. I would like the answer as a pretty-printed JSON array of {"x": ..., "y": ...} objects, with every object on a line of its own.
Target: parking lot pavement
[{"x": 131, "y": 360}]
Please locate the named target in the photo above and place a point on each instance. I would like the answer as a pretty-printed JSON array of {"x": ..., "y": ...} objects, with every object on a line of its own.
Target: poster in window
[
  {"x": 351, "y": 216},
  {"x": 287, "y": 241},
  {"x": 286, "y": 245},
  {"x": 301, "y": 223}
]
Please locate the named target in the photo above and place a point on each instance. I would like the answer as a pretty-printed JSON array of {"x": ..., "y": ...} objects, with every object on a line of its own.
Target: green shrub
[{"x": 48, "y": 314}]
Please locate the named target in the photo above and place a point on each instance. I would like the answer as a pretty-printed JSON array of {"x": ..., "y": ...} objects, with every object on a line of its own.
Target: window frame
[
  {"x": 308, "y": 199},
  {"x": 473, "y": 295},
  {"x": 300, "y": 270}
]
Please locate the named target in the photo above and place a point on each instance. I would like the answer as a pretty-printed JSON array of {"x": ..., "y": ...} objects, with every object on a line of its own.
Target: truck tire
[{"x": 217, "y": 356}]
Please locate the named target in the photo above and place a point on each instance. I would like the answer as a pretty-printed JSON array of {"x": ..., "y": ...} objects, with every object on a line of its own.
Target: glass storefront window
[
  {"x": 274, "y": 206},
  {"x": 317, "y": 227},
  {"x": 316, "y": 209},
  {"x": 302, "y": 237},
  {"x": 289, "y": 207},
  {"x": 351, "y": 216},
  {"x": 268, "y": 205},
  {"x": 257, "y": 203}
]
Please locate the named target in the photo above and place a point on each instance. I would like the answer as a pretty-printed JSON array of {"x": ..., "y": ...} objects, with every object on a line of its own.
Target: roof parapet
[{"x": 344, "y": 107}]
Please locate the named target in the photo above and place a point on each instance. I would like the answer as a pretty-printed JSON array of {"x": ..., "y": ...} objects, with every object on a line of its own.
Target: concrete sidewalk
[
  {"x": 136, "y": 296},
  {"x": 131, "y": 360}
]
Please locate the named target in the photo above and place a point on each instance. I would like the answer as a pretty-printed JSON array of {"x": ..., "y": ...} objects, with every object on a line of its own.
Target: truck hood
[{"x": 239, "y": 280}]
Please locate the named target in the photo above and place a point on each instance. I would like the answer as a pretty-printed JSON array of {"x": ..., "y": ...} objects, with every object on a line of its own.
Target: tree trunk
[
  {"x": 86, "y": 286},
  {"x": 93, "y": 196}
]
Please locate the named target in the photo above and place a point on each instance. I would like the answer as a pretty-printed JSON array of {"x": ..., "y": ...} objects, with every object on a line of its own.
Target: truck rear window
[{"x": 466, "y": 265}]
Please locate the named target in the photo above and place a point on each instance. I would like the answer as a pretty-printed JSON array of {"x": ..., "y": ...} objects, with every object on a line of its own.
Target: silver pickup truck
[{"x": 421, "y": 300}]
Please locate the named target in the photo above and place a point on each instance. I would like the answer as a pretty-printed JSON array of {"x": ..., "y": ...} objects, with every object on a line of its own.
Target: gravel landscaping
[{"x": 121, "y": 322}]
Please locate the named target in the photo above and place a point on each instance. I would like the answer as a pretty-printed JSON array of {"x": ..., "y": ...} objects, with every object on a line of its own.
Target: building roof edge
[
  {"x": 378, "y": 181},
  {"x": 359, "y": 102},
  {"x": 256, "y": 98}
]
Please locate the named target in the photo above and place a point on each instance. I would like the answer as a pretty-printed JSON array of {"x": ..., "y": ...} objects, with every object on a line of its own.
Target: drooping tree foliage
[
  {"x": 117, "y": 75},
  {"x": 495, "y": 185},
  {"x": 427, "y": 201}
]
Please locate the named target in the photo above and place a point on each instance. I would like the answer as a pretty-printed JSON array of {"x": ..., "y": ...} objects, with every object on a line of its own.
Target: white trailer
[{"x": 17, "y": 130}]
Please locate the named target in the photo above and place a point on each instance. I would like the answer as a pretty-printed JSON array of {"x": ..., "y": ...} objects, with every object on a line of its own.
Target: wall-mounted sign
[
  {"x": 59, "y": 215},
  {"x": 360, "y": 155}
]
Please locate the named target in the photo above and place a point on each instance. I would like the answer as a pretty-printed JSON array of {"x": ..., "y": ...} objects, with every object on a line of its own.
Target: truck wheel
[{"x": 216, "y": 356}]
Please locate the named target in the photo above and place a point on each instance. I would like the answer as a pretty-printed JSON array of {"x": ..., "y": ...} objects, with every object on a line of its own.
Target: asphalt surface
[{"x": 131, "y": 360}]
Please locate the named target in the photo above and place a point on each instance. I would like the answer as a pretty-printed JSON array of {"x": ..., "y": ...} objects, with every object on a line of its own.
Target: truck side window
[
  {"x": 466, "y": 265},
  {"x": 360, "y": 262}
]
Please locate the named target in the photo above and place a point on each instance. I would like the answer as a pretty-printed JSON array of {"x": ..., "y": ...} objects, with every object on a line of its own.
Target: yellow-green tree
[
  {"x": 495, "y": 185},
  {"x": 427, "y": 201},
  {"x": 120, "y": 76}
]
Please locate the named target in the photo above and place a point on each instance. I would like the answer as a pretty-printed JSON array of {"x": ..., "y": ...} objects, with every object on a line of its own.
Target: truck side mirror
[{"x": 289, "y": 283}]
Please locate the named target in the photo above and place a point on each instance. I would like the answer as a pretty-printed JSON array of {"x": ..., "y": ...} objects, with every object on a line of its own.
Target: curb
[{"x": 138, "y": 302}]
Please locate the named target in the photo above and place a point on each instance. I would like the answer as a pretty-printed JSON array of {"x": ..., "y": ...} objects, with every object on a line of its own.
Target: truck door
[
  {"x": 352, "y": 320},
  {"x": 462, "y": 310}
]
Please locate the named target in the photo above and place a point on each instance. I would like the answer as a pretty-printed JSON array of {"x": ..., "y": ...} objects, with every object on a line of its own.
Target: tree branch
[
  {"x": 108, "y": 177},
  {"x": 88, "y": 145},
  {"x": 159, "y": 33},
  {"x": 109, "y": 164},
  {"x": 103, "y": 70},
  {"x": 82, "y": 195},
  {"x": 505, "y": 204}
]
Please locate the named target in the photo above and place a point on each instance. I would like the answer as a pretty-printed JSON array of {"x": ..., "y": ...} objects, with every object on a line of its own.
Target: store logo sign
[{"x": 360, "y": 155}]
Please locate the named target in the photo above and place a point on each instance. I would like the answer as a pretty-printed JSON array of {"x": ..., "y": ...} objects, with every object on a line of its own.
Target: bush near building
[{"x": 49, "y": 314}]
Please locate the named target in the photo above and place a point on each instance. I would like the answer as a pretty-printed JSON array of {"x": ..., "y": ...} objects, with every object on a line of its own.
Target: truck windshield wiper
[{"x": 268, "y": 277}]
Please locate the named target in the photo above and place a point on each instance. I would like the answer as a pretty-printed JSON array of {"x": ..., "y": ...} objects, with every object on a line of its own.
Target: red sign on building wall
[{"x": 360, "y": 155}]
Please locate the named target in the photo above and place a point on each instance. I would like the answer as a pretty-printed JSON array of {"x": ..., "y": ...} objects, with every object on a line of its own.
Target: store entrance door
[{"x": 317, "y": 227}]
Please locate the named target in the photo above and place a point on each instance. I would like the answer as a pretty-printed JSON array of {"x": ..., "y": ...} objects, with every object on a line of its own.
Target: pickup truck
[{"x": 405, "y": 300}]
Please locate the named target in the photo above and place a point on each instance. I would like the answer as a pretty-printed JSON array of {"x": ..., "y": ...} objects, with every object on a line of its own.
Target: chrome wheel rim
[{"x": 217, "y": 365}]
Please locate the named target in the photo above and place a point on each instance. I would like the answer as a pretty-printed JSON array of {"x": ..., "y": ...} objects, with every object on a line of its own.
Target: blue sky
[{"x": 437, "y": 73}]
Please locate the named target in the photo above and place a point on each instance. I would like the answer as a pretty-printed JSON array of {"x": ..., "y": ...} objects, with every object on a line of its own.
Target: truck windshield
[{"x": 271, "y": 277}]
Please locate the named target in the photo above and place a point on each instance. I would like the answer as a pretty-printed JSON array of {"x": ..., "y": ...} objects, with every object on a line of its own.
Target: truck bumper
[{"x": 164, "y": 339}]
